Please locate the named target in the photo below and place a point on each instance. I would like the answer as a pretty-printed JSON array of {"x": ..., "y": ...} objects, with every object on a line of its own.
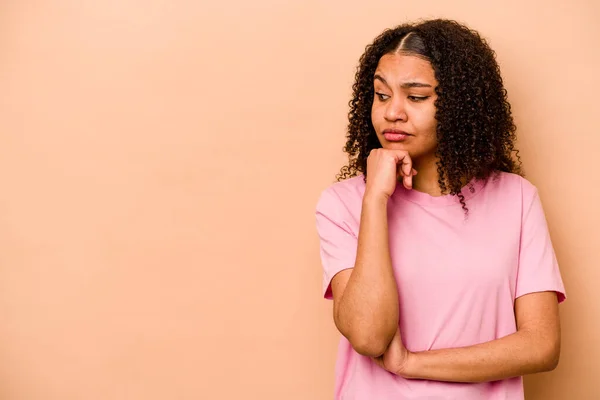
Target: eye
[
  {"x": 418, "y": 98},
  {"x": 382, "y": 96}
]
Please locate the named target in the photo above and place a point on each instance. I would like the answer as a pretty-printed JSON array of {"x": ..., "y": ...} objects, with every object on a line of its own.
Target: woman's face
[{"x": 403, "y": 112}]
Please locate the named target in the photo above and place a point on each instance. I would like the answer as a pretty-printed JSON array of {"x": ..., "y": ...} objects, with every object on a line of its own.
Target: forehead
[{"x": 402, "y": 68}]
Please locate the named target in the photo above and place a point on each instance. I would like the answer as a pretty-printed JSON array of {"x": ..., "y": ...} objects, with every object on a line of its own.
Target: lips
[{"x": 395, "y": 135}]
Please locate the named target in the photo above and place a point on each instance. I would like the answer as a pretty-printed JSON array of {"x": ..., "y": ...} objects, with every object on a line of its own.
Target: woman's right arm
[{"x": 365, "y": 298}]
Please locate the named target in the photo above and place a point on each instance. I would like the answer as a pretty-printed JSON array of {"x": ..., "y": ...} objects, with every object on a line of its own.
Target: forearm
[
  {"x": 518, "y": 354},
  {"x": 368, "y": 311}
]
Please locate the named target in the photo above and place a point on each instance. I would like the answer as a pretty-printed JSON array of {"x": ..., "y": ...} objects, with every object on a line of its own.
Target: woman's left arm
[{"x": 535, "y": 347}]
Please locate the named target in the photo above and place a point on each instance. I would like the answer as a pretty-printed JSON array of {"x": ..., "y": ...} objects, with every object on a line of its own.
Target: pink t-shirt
[{"x": 457, "y": 278}]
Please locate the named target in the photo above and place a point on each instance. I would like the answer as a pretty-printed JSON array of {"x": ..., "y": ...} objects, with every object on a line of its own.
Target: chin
[{"x": 395, "y": 146}]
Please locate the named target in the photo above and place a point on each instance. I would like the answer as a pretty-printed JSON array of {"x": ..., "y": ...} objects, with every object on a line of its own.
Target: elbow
[
  {"x": 369, "y": 349},
  {"x": 550, "y": 358},
  {"x": 552, "y": 362},
  {"x": 370, "y": 345},
  {"x": 367, "y": 338}
]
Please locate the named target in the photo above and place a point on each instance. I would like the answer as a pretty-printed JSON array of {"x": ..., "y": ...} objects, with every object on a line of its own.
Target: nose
[{"x": 395, "y": 110}]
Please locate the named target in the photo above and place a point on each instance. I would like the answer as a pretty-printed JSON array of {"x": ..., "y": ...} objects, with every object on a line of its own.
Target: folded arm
[
  {"x": 535, "y": 347},
  {"x": 365, "y": 298}
]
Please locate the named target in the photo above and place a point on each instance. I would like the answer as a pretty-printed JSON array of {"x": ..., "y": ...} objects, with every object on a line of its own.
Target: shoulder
[
  {"x": 341, "y": 196},
  {"x": 511, "y": 185}
]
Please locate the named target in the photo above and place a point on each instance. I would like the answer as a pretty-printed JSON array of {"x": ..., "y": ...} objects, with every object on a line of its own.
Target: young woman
[{"x": 435, "y": 249}]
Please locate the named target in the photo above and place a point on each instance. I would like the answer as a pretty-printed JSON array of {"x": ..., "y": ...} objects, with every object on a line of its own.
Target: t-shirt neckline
[{"x": 468, "y": 191}]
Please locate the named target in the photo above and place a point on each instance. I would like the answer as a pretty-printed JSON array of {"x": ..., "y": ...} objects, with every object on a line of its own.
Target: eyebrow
[{"x": 405, "y": 85}]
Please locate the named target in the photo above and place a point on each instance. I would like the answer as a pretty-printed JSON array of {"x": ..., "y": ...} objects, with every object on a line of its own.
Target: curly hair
[{"x": 475, "y": 128}]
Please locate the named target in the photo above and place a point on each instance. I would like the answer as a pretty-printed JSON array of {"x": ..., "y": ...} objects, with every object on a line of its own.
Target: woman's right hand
[{"x": 384, "y": 168}]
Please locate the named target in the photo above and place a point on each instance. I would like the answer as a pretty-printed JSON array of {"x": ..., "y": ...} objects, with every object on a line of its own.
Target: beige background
[{"x": 160, "y": 162}]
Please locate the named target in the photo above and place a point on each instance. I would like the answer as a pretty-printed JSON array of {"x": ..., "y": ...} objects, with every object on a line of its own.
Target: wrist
[{"x": 372, "y": 198}]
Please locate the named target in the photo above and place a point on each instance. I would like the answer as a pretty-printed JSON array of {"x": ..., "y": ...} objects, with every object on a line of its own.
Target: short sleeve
[
  {"x": 538, "y": 268},
  {"x": 338, "y": 243}
]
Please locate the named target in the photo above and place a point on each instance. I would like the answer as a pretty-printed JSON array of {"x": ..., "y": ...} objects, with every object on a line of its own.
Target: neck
[{"x": 426, "y": 180}]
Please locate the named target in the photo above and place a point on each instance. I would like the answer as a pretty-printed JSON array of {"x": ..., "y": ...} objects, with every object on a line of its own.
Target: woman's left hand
[{"x": 396, "y": 357}]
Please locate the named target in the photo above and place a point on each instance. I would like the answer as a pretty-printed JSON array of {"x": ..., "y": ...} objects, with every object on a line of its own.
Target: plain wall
[{"x": 160, "y": 162}]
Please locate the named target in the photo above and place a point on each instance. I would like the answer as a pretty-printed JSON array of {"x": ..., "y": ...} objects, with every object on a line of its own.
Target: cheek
[
  {"x": 426, "y": 120},
  {"x": 376, "y": 116}
]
